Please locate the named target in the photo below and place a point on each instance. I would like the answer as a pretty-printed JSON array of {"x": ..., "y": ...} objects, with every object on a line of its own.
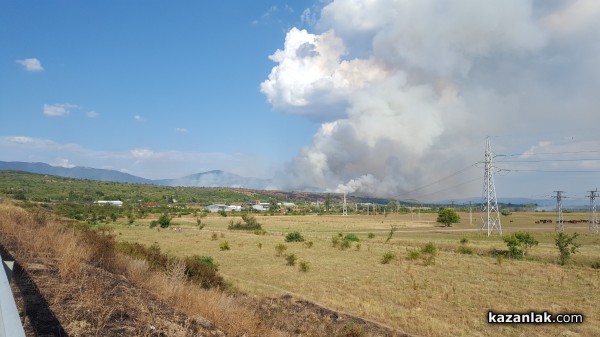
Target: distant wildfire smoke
[{"x": 407, "y": 90}]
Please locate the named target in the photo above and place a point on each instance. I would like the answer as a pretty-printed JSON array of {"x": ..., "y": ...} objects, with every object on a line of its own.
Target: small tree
[
  {"x": 518, "y": 244},
  {"x": 164, "y": 221},
  {"x": 566, "y": 246},
  {"x": 447, "y": 216}
]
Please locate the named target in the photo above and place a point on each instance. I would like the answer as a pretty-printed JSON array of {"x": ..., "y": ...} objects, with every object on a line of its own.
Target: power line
[
  {"x": 548, "y": 171},
  {"x": 437, "y": 181},
  {"x": 545, "y": 153},
  {"x": 549, "y": 160}
]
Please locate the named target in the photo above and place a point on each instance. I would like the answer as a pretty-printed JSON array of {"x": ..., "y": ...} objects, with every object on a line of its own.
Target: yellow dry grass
[{"x": 450, "y": 297}]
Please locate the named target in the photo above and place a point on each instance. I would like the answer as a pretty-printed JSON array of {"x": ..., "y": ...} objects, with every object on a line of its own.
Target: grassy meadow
[{"x": 448, "y": 295}]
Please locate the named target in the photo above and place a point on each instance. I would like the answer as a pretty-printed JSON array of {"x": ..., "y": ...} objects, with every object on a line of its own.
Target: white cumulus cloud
[
  {"x": 31, "y": 64},
  {"x": 58, "y": 110}
]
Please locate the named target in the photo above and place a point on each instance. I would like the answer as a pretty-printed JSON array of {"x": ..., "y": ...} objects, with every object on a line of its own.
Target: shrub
[
  {"x": 429, "y": 248},
  {"x": 351, "y": 237},
  {"x": 308, "y": 244},
  {"x": 304, "y": 266},
  {"x": 596, "y": 264},
  {"x": 464, "y": 250},
  {"x": 391, "y": 233},
  {"x": 280, "y": 248},
  {"x": 414, "y": 254},
  {"x": 250, "y": 223},
  {"x": 214, "y": 236},
  {"x": 223, "y": 213},
  {"x": 224, "y": 245},
  {"x": 259, "y": 245},
  {"x": 518, "y": 244},
  {"x": 388, "y": 257},
  {"x": 351, "y": 330},
  {"x": 335, "y": 240},
  {"x": 566, "y": 246},
  {"x": 164, "y": 221},
  {"x": 345, "y": 244},
  {"x": 294, "y": 237},
  {"x": 291, "y": 259},
  {"x": 260, "y": 232},
  {"x": 203, "y": 271},
  {"x": 464, "y": 241},
  {"x": 371, "y": 235},
  {"x": 357, "y": 246}
]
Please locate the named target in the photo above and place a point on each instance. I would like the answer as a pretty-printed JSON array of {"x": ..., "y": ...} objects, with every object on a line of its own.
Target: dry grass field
[{"x": 449, "y": 296}]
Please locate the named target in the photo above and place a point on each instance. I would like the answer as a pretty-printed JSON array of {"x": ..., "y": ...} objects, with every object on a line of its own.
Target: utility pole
[
  {"x": 559, "y": 227},
  {"x": 593, "y": 218},
  {"x": 470, "y": 214},
  {"x": 490, "y": 216}
]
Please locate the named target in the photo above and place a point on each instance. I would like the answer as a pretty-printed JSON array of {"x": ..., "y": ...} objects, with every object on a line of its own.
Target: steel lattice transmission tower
[
  {"x": 593, "y": 218},
  {"x": 559, "y": 227},
  {"x": 490, "y": 215},
  {"x": 345, "y": 207}
]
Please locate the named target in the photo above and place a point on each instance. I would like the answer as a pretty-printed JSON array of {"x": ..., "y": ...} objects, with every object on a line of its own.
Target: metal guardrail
[{"x": 10, "y": 323}]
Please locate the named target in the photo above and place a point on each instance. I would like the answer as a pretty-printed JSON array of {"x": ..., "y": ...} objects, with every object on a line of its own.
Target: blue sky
[
  {"x": 388, "y": 98},
  {"x": 189, "y": 71}
]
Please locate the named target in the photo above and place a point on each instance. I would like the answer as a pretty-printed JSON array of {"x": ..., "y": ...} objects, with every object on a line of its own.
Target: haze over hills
[
  {"x": 215, "y": 178},
  {"x": 219, "y": 178}
]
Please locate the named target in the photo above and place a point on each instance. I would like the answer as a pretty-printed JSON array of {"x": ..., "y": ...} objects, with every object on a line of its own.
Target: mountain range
[{"x": 215, "y": 178}]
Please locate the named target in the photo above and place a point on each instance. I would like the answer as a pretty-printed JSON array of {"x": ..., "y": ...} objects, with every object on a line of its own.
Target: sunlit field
[{"x": 449, "y": 294}]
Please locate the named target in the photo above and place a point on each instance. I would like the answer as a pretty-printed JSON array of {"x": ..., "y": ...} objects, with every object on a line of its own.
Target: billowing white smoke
[{"x": 407, "y": 90}]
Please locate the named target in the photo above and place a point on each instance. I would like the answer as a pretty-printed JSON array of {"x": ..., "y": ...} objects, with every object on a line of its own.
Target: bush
[
  {"x": 566, "y": 246},
  {"x": 250, "y": 223},
  {"x": 388, "y": 257},
  {"x": 351, "y": 237},
  {"x": 518, "y": 244},
  {"x": 214, "y": 236},
  {"x": 308, "y": 244},
  {"x": 291, "y": 259},
  {"x": 596, "y": 265},
  {"x": 345, "y": 244},
  {"x": 414, "y": 254},
  {"x": 203, "y": 271},
  {"x": 357, "y": 246},
  {"x": 465, "y": 250},
  {"x": 294, "y": 237},
  {"x": 280, "y": 248},
  {"x": 260, "y": 232},
  {"x": 371, "y": 235},
  {"x": 164, "y": 221},
  {"x": 429, "y": 248},
  {"x": 304, "y": 266},
  {"x": 224, "y": 245},
  {"x": 464, "y": 241},
  {"x": 335, "y": 240},
  {"x": 351, "y": 330}
]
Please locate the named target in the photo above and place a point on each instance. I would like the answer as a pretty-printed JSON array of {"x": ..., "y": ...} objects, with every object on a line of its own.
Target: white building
[
  {"x": 117, "y": 203},
  {"x": 214, "y": 208}
]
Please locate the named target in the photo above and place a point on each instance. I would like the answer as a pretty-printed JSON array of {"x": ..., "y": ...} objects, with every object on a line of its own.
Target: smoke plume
[{"x": 407, "y": 91}]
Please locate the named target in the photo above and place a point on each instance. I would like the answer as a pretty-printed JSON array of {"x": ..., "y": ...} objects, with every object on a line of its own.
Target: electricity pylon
[
  {"x": 490, "y": 215},
  {"x": 593, "y": 218}
]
